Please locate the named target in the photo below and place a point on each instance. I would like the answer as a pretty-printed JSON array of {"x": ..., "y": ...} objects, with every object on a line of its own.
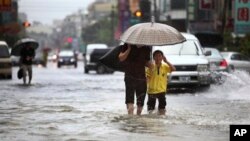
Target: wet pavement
[{"x": 66, "y": 105}]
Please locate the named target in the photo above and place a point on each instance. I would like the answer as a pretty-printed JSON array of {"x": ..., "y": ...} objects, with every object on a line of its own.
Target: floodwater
[{"x": 67, "y": 105}]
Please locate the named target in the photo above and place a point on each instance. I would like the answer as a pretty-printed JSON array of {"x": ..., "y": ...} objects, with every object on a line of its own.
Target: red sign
[
  {"x": 206, "y": 4},
  {"x": 242, "y": 17},
  {"x": 5, "y": 5},
  {"x": 243, "y": 14},
  {"x": 69, "y": 39}
]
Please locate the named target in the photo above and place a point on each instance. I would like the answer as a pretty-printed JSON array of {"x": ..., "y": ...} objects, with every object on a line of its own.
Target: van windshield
[
  {"x": 186, "y": 48},
  {"x": 4, "y": 52}
]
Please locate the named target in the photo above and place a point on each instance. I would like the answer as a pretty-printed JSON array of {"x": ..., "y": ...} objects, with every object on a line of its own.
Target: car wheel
[
  {"x": 75, "y": 65},
  {"x": 100, "y": 69}
]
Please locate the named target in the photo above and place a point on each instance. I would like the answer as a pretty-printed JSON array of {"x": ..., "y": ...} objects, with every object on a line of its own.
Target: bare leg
[
  {"x": 24, "y": 75},
  {"x": 139, "y": 110},
  {"x": 24, "y": 80},
  {"x": 130, "y": 108},
  {"x": 30, "y": 74},
  {"x": 162, "y": 111}
]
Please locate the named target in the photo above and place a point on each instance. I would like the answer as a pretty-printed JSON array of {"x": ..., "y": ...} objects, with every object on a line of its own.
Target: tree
[
  {"x": 245, "y": 45},
  {"x": 100, "y": 32}
]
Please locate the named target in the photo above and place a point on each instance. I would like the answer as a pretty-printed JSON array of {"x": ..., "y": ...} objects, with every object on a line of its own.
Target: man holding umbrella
[
  {"x": 135, "y": 58},
  {"x": 26, "y": 57}
]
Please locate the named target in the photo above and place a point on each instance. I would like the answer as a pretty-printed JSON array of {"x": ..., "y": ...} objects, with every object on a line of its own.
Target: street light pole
[
  {"x": 112, "y": 23},
  {"x": 155, "y": 11}
]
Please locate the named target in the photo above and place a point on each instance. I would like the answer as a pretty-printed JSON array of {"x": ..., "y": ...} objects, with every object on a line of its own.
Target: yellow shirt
[{"x": 157, "y": 78}]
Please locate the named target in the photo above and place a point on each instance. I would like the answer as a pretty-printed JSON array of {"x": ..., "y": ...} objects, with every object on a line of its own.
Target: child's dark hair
[{"x": 158, "y": 51}]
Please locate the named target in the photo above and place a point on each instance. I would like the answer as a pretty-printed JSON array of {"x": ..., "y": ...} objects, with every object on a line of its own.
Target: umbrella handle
[
  {"x": 152, "y": 20},
  {"x": 151, "y": 54}
]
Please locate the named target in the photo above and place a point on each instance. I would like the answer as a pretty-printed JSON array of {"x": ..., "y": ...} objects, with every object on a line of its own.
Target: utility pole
[
  {"x": 224, "y": 16},
  {"x": 155, "y": 11},
  {"x": 112, "y": 23},
  {"x": 145, "y": 7}
]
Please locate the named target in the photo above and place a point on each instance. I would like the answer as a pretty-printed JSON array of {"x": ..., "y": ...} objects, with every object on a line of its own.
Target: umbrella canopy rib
[{"x": 152, "y": 34}]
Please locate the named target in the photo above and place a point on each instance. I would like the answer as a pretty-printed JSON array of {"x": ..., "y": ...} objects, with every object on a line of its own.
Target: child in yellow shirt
[{"x": 157, "y": 81}]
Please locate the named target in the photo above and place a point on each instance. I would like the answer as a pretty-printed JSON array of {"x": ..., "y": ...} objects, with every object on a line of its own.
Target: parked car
[
  {"x": 192, "y": 67},
  {"x": 66, "y": 57},
  {"x": 217, "y": 64},
  {"x": 89, "y": 49},
  {"x": 5, "y": 61},
  {"x": 237, "y": 61},
  {"x": 94, "y": 63}
]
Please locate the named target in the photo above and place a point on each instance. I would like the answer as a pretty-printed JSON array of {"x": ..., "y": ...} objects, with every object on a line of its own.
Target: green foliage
[
  {"x": 238, "y": 44},
  {"x": 245, "y": 45},
  {"x": 105, "y": 35},
  {"x": 100, "y": 32},
  {"x": 229, "y": 42}
]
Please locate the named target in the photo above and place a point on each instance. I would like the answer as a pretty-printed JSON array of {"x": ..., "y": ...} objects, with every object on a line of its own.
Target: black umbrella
[
  {"x": 21, "y": 43},
  {"x": 111, "y": 60}
]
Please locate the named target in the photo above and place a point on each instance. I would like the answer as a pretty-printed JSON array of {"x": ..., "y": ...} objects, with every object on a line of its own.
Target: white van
[
  {"x": 88, "y": 65},
  {"x": 5, "y": 61},
  {"x": 192, "y": 67}
]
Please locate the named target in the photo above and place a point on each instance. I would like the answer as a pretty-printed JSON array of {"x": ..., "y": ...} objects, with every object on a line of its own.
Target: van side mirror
[{"x": 208, "y": 53}]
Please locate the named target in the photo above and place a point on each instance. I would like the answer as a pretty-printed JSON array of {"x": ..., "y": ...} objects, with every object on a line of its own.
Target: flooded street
[{"x": 66, "y": 105}]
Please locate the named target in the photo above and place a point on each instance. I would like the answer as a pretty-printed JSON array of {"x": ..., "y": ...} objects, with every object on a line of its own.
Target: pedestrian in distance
[
  {"x": 134, "y": 59},
  {"x": 27, "y": 55},
  {"x": 157, "y": 82}
]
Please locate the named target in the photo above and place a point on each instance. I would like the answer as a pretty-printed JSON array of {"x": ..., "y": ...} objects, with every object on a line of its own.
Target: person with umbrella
[
  {"x": 27, "y": 55},
  {"x": 135, "y": 58},
  {"x": 25, "y": 48},
  {"x": 136, "y": 55}
]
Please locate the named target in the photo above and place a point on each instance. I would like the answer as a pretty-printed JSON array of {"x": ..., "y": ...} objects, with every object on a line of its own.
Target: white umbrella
[
  {"x": 151, "y": 34},
  {"x": 20, "y": 43}
]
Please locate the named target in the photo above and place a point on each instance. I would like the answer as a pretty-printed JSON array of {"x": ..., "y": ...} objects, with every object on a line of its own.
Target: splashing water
[{"x": 235, "y": 87}]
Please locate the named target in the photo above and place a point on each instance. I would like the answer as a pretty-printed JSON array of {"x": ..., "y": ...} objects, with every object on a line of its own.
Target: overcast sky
[{"x": 46, "y": 11}]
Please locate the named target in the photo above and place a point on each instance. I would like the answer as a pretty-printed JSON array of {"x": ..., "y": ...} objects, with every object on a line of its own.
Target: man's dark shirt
[
  {"x": 27, "y": 52},
  {"x": 136, "y": 61}
]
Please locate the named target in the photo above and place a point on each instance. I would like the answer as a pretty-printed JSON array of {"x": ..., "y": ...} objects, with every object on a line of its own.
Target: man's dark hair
[{"x": 157, "y": 51}]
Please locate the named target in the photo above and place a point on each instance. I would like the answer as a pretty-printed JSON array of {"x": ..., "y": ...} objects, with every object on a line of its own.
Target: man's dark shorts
[{"x": 138, "y": 86}]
